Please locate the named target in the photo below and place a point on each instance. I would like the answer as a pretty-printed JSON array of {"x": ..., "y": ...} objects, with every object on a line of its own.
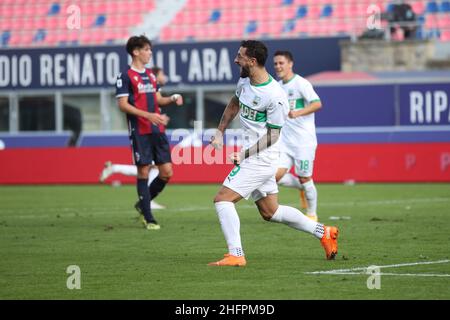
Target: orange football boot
[
  {"x": 230, "y": 260},
  {"x": 329, "y": 242}
]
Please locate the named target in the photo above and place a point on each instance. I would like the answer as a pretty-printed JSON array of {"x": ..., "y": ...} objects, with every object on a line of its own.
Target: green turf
[{"x": 45, "y": 229}]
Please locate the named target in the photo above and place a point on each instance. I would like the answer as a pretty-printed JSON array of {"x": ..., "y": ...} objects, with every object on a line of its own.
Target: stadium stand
[{"x": 44, "y": 22}]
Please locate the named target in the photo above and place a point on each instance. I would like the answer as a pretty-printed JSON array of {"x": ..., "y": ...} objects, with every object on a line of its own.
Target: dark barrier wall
[
  {"x": 384, "y": 105},
  {"x": 356, "y": 106},
  {"x": 209, "y": 63},
  {"x": 424, "y": 104}
]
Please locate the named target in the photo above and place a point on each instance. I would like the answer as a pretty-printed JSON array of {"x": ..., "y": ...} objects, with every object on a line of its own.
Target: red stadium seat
[{"x": 192, "y": 20}]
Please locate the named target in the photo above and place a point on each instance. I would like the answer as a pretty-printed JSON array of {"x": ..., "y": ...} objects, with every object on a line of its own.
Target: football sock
[
  {"x": 144, "y": 199},
  {"x": 289, "y": 180},
  {"x": 125, "y": 169},
  {"x": 297, "y": 220},
  {"x": 311, "y": 197},
  {"x": 154, "y": 172},
  {"x": 229, "y": 221},
  {"x": 156, "y": 187}
]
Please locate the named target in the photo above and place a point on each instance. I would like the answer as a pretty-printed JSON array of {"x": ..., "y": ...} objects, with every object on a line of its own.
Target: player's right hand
[
  {"x": 217, "y": 140},
  {"x": 158, "y": 119}
]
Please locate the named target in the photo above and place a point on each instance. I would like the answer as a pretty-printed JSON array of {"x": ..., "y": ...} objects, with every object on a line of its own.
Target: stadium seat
[
  {"x": 39, "y": 36},
  {"x": 251, "y": 27},
  {"x": 327, "y": 11},
  {"x": 445, "y": 6},
  {"x": 287, "y": 2},
  {"x": 434, "y": 33},
  {"x": 443, "y": 21},
  {"x": 432, "y": 7},
  {"x": 215, "y": 16},
  {"x": 445, "y": 35},
  {"x": 54, "y": 9},
  {"x": 100, "y": 20},
  {"x": 302, "y": 12},
  {"x": 289, "y": 25},
  {"x": 390, "y": 7},
  {"x": 418, "y": 7},
  {"x": 5, "y": 37}
]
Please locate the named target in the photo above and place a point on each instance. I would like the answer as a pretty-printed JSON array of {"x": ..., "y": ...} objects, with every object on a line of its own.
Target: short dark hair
[
  {"x": 256, "y": 49},
  {"x": 286, "y": 54},
  {"x": 137, "y": 42}
]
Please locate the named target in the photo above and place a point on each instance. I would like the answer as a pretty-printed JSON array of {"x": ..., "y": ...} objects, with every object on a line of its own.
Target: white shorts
[
  {"x": 303, "y": 161},
  {"x": 252, "y": 178}
]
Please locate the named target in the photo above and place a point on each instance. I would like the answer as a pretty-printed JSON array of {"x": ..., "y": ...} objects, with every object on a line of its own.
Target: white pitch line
[
  {"x": 351, "y": 270},
  {"x": 389, "y": 274}
]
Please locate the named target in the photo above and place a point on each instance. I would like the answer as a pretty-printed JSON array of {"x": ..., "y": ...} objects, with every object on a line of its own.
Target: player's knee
[
  {"x": 304, "y": 179},
  {"x": 166, "y": 174},
  {"x": 218, "y": 198},
  {"x": 266, "y": 215}
]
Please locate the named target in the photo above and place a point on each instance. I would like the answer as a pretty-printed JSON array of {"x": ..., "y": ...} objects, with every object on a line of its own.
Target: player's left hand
[
  {"x": 177, "y": 98},
  {"x": 293, "y": 114},
  {"x": 217, "y": 140}
]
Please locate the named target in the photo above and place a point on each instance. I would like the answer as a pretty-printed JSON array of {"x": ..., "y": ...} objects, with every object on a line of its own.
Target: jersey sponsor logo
[
  {"x": 145, "y": 88},
  {"x": 252, "y": 114}
]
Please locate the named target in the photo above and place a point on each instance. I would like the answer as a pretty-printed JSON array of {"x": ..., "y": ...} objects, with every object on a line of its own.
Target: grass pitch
[{"x": 45, "y": 229}]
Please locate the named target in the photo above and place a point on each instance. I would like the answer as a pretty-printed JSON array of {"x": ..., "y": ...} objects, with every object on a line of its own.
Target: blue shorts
[{"x": 150, "y": 147}]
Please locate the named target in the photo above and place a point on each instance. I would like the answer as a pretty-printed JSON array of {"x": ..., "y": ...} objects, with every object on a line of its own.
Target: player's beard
[{"x": 245, "y": 72}]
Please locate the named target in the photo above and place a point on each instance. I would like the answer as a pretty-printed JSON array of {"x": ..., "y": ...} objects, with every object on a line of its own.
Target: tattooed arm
[
  {"x": 272, "y": 136},
  {"x": 230, "y": 112}
]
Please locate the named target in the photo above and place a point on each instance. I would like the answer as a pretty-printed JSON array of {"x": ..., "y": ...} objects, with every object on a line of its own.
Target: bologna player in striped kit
[{"x": 138, "y": 96}]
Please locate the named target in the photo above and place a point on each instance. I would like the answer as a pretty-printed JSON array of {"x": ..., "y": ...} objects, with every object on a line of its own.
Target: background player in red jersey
[{"x": 138, "y": 96}]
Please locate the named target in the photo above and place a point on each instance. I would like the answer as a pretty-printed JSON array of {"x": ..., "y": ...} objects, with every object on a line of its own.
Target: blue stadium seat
[
  {"x": 434, "y": 33},
  {"x": 251, "y": 27},
  {"x": 287, "y": 2},
  {"x": 302, "y": 11},
  {"x": 215, "y": 15},
  {"x": 432, "y": 7},
  {"x": 40, "y": 35},
  {"x": 289, "y": 25},
  {"x": 390, "y": 7},
  {"x": 54, "y": 9},
  {"x": 327, "y": 11},
  {"x": 421, "y": 19},
  {"x": 6, "y": 35},
  {"x": 101, "y": 19},
  {"x": 445, "y": 6},
  {"x": 420, "y": 33}
]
